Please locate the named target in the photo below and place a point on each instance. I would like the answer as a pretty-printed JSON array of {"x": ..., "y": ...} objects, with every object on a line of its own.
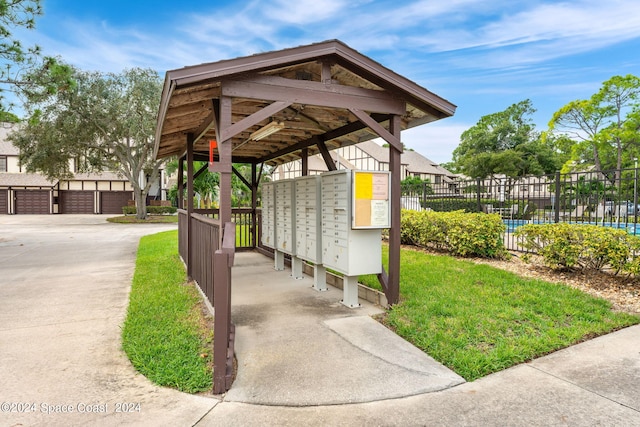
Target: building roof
[
  {"x": 417, "y": 163},
  {"x": 25, "y": 180},
  {"x": 376, "y": 151},
  {"x": 316, "y": 92},
  {"x": 102, "y": 176},
  {"x": 6, "y": 147},
  {"x": 316, "y": 163}
]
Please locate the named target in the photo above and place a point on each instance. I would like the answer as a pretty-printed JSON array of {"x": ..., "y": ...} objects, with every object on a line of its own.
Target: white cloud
[
  {"x": 539, "y": 33},
  {"x": 435, "y": 141},
  {"x": 535, "y": 32},
  {"x": 301, "y": 12}
]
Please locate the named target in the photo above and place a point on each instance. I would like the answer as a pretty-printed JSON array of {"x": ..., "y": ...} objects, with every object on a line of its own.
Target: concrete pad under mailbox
[{"x": 298, "y": 347}]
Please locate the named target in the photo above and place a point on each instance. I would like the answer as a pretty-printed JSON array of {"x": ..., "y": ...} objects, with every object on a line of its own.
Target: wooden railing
[
  {"x": 209, "y": 261},
  {"x": 223, "y": 329},
  {"x": 182, "y": 234},
  {"x": 243, "y": 219}
]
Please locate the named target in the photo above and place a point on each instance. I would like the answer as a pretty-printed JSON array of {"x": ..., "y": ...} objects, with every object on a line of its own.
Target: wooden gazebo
[{"x": 271, "y": 108}]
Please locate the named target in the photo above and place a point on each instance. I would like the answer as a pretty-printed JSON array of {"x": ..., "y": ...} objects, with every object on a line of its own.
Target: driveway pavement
[{"x": 64, "y": 284}]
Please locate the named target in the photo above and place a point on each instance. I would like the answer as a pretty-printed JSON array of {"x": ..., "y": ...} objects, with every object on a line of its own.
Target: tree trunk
[{"x": 141, "y": 203}]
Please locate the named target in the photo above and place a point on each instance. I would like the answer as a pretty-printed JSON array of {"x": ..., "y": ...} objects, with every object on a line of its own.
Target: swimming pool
[{"x": 631, "y": 228}]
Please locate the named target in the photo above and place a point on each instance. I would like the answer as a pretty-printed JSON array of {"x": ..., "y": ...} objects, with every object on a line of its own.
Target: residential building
[
  {"x": 85, "y": 193},
  {"x": 369, "y": 155}
]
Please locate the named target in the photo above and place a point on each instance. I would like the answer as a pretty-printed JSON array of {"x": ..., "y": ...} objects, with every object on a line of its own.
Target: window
[{"x": 3, "y": 163}]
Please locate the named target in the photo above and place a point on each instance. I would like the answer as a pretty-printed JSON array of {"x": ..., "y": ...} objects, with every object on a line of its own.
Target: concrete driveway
[{"x": 64, "y": 284}]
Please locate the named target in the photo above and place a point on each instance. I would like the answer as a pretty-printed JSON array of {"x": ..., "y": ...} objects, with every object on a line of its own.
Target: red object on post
[{"x": 213, "y": 144}]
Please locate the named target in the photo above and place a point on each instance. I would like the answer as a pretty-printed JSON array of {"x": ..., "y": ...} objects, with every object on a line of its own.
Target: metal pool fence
[{"x": 605, "y": 198}]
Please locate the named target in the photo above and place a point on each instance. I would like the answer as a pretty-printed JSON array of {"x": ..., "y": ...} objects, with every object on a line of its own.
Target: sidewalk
[{"x": 304, "y": 359}]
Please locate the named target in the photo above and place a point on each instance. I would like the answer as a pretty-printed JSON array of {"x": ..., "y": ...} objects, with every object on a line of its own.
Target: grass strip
[
  {"x": 151, "y": 219},
  {"x": 164, "y": 334},
  {"x": 478, "y": 319}
]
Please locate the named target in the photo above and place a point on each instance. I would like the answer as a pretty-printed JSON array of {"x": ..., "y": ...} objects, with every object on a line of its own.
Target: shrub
[
  {"x": 460, "y": 233},
  {"x": 581, "y": 246},
  {"x": 451, "y": 204},
  {"x": 129, "y": 210},
  {"x": 161, "y": 210},
  {"x": 525, "y": 210},
  {"x": 151, "y": 210}
]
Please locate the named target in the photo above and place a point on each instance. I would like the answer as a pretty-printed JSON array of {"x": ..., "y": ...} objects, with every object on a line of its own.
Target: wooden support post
[
  {"x": 393, "y": 285},
  {"x": 190, "y": 194},
  {"x": 181, "y": 182},
  {"x": 304, "y": 156},
  {"x": 224, "y": 150},
  {"x": 254, "y": 204}
]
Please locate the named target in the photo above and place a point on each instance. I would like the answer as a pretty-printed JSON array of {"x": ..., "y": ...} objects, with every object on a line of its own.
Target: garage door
[
  {"x": 33, "y": 201},
  {"x": 111, "y": 202},
  {"x": 4, "y": 201},
  {"x": 76, "y": 202}
]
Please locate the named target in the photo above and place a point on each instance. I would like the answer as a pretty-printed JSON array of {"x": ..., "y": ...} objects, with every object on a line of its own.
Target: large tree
[
  {"x": 505, "y": 143},
  {"x": 19, "y": 64},
  {"x": 604, "y": 128},
  {"x": 103, "y": 122}
]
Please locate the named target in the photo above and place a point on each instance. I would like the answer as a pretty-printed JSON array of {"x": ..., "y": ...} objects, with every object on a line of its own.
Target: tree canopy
[
  {"x": 505, "y": 143},
  {"x": 605, "y": 129},
  {"x": 102, "y": 122},
  {"x": 24, "y": 70}
]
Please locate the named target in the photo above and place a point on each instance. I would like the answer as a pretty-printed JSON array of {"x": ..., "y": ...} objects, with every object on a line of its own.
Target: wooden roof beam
[
  {"x": 377, "y": 128},
  {"x": 313, "y": 93},
  {"x": 253, "y": 119},
  {"x": 326, "y": 156},
  {"x": 336, "y": 133}
]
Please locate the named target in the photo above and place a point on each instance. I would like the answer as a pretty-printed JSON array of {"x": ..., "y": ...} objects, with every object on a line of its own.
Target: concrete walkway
[
  {"x": 299, "y": 347},
  {"x": 304, "y": 359}
]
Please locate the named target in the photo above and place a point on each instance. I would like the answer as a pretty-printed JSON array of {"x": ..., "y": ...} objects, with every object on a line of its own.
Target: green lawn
[
  {"x": 477, "y": 319},
  {"x": 151, "y": 219},
  {"x": 473, "y": 318},
  {"x": 164, "y": 334}
]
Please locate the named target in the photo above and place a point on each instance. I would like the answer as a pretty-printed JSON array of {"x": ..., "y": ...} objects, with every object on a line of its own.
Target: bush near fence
[
  {"x": 447, "y": 204},
  {"x": 582, "y": 246},
  {"x": 151, "y": 210},
  {"x": 460, "y": 233},
  {"x": 525, "y": 209}
]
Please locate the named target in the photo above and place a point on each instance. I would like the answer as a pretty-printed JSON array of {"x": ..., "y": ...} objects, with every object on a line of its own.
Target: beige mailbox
[
  {"x": 308, "y": 227},
  {"x": 268, "y": 224},
  {"x": 355, "y": 209}
]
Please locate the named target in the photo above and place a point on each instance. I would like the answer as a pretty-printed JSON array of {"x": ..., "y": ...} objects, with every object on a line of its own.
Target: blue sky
[{"x": 481, "y": 55}]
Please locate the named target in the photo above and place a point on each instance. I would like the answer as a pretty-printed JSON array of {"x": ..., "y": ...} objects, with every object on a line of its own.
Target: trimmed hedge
[
  {"x": 460, "y": 233},
  {"x": 451, "y": 204},
  {"x": 525, "y": 210},
  {"x": 582, "y": 246},
  {"x": 151, "y": 210}
]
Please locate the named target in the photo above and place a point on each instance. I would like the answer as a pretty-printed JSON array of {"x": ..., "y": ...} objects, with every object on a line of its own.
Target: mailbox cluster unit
[
  {"x": 268, "y": 226},
  {"x": 307, "y": 219},
  {"x": 308, "y": 234},
  {"x": 285, "y": 217},
  {"x": 345, "y": 249},
  {"x": 312, "y": 218}
]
